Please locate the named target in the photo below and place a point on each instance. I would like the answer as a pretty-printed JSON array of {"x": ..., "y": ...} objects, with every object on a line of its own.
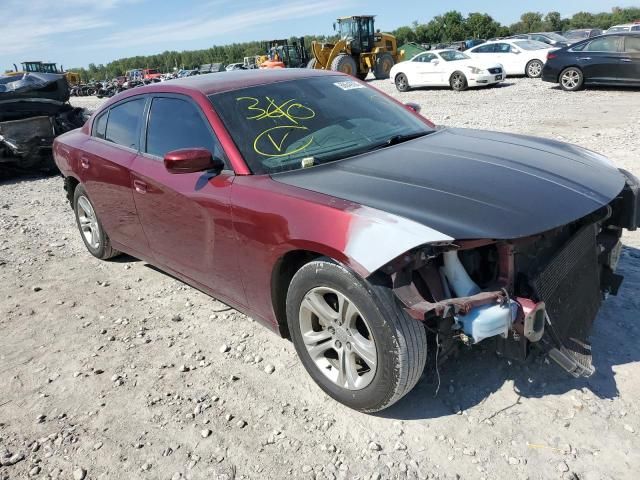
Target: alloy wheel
[
  {"x": 88, "y": 223},
  {"x": 535, "y": 69},
  {"x": 570, "y": 79},
  {"x": 338, "y": 338},
  {"x": 401, "y": 82},
  {"x": 457, "y": 81}
]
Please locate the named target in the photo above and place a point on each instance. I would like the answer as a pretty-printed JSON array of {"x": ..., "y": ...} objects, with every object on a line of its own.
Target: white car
[
  {"x": 445, "y": 67},
  {"x": 626, "y": 27},
  {"x": 518, "y": 56}
]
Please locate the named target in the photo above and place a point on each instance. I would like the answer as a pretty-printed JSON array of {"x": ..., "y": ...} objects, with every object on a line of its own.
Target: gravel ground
[{"x": 115, "y": 370}]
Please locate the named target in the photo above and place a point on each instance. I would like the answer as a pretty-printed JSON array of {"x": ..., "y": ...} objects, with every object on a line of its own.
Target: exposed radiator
[{"x": 570, "y": 287}]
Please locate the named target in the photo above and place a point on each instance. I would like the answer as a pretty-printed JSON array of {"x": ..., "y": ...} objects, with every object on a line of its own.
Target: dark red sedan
[{"x": 350, "y": 224}]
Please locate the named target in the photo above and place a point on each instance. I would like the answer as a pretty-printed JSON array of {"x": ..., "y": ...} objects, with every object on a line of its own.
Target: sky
[{"x": 75, "y": 33}]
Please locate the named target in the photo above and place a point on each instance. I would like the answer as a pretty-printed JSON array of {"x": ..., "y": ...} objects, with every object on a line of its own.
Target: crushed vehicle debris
[{"x": 34, "y": 109}]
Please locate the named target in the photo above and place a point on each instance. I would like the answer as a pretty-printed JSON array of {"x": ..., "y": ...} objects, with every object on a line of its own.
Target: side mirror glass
[
  {"x": 190, "y": 160},
  {"x": 413, "y": 106},
  {"x": 435, "y": 61}
]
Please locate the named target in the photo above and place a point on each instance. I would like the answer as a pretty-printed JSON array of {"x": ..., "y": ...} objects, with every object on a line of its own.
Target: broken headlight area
[{"x": 543, "y": 290}]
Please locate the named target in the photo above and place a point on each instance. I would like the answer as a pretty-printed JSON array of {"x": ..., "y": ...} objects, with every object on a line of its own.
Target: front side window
[
  {"x": 453, "y": 55},
  {"x": 635, "y": 28},
  {"x": 175, "y": 124},
  {"x": 296, "y": 124},
  {"x": 425, "y": 58},
  {"x": 502, "y": 47},
  {"x": 123, "y": 125},
  {"x": 604, "y": 44}
]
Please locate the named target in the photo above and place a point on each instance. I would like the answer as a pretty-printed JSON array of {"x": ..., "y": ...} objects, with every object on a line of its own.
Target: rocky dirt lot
[{"x": 116, "y": 370}]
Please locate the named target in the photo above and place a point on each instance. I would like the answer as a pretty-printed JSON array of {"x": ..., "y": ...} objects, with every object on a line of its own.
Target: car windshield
[
  {"x": 555, "y": 36},
  {"x": 530, "y": 44},
  {"x": 300, "y": 123},
  {"x": 453, "y": 55},
  {"x": 576, "y": 34}
]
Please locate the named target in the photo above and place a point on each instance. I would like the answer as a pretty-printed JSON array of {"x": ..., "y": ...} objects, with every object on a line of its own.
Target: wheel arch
[
  {"x": 283, "y": 271},
  {"x": 70, "y": 184}
]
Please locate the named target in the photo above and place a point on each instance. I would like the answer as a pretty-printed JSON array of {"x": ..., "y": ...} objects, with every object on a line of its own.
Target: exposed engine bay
[{"x": 542, "y": 290}]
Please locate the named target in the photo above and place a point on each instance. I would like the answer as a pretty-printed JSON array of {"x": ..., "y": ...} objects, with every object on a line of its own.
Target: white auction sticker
[{"x": 348, "y": 85}]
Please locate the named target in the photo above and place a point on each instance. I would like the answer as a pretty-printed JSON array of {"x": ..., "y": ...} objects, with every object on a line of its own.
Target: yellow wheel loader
[{"x": 359, "y": 50}]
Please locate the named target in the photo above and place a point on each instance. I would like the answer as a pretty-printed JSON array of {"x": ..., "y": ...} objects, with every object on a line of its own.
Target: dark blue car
[{"x": 604, "y": 60}]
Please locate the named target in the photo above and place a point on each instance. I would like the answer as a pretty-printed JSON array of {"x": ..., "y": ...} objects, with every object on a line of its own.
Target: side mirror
[
  {"x": 435, "y": 61},
  {"x": 190, "y": 160},
  {"x": 515, "y": 50},
  {"x": 413, "y": 106}
]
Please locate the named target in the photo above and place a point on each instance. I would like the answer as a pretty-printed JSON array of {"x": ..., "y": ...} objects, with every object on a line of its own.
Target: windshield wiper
[{"x": 396, "y": 139}]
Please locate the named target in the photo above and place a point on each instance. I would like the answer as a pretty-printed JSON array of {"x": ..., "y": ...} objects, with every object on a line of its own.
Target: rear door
[
  {"x": 601, "y": 60},
  {"x": 631, "y": 60},
  {"x": 186, "y": 217},
  {"x": 105, "y": 165}
]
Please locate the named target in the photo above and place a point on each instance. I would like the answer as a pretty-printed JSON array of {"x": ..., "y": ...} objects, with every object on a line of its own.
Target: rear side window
[
  {"x": 176, "y": 124},
  {"x": 485, "y": 49},
  {"x": 123, "y": 126},
  {"x": 632, "y": 44},
  {"x": 636, "y": 28},
  {"x": 604, "y": 44},
  {"x": 100, "y": 125}
]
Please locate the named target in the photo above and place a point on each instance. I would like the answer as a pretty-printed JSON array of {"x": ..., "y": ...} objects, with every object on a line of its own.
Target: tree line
[{"x": 448, "y": 27}]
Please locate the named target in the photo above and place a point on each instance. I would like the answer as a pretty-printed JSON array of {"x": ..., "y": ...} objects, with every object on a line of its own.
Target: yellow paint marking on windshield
[
  {"x": 267, "y": 133},
  {"x": 289, "y": 111}
]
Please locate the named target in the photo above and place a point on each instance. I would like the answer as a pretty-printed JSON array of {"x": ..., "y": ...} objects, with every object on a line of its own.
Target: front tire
[
  {"x": 382, "y": 68},
  {"x": 352, "y": 336},
  {"x": 93, "y": 235},
  {"x": 344, "y": 63},
  {"x": 534, "y": 69},
  {"x": 458, "y": 81},
  {"x": 571, "y": 79},
  {"x": 402, "y": 83}
]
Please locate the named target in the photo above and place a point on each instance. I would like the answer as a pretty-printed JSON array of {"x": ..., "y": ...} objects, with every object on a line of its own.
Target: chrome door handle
[
  {"x": 625, "y": 59},
  {"x": 584, "y": 58},
  {"x": 140, "y": 186}
]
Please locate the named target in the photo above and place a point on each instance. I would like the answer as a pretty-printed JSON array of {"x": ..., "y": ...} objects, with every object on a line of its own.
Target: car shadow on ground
[
  {"x": 602, "y": 88},
  {"x": 442, "y": 88},
  {"x": 470, "y": 378}
]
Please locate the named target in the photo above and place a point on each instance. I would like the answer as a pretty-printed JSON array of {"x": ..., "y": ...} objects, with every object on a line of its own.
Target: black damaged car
[{"x": 604, "y": 60}]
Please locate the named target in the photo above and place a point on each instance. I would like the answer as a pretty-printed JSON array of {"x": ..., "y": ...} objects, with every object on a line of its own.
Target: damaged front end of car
[{"x": 542, "y": 290}]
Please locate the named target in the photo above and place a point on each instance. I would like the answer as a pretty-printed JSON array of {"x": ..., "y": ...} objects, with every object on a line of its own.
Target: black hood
[{"x": 472, "y": 184}]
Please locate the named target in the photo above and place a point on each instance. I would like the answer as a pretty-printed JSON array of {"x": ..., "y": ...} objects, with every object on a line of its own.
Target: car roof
[{"x": 211, "y": 83}]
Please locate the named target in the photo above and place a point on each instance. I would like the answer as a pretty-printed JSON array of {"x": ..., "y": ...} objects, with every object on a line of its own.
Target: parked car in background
[
  {"x": 550, "y": 38},
  {"x": 612, "y": 59},
  {"x": 151, "y": 74},
  {"x": 451, "y": 68},
  {"x": 518, "y": 57},
  {"x": 236, "y": 66},
  {"x": 627, "y": 27},
  {"x": 350, "y": 224},
  {"x": 574, "y": 36}
]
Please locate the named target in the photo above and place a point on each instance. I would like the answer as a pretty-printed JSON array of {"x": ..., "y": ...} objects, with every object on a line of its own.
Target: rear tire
[
  {"x": 571, "y": 79},
  {"x": 91, "y": 231},
  {"x": 363, "y": 317},
  {"x": 458, "y": 81},
  {"x": 384, "y": 63},
  {"x": 534, "y": 69},
  {"x": 346, "y": 64},
  {"x": 402, "y": 83}
]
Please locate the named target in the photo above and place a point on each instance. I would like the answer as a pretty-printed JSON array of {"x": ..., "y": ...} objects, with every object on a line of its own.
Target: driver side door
[{"x": 424, "y": 71}]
